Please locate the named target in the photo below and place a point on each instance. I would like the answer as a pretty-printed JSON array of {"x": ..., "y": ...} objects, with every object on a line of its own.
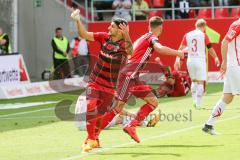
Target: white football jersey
[
  {"x": 196, "y": 42},
  {"x": 233, "y": 36}
]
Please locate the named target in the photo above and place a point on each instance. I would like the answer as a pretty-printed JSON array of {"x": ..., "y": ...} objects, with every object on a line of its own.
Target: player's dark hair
[
  {"x": 155, "y": 21},
  {"x": 58, "y": 29},
  {"x": 119, "y": 21}
]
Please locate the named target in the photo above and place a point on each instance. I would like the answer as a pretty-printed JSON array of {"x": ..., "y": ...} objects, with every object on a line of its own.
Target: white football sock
[
  {"x": 216, "y": 112},
  {"x": 194, "y": 91},
  {"x": 199, "y": 94}
]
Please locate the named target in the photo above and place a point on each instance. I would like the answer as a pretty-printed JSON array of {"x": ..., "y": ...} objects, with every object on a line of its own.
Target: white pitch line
[
  {"x": 27, "y": 112},
  {"x": 28, "y": 117},
  {"x": 146, "y": 139},
  {"x": 21, "y": 113}
]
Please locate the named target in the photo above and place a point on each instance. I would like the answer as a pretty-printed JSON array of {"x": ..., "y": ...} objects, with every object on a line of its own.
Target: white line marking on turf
[
  {"x": 146, "y": 139},
  {"x": 27, "y": 112},
  {"x": 21, "y": 113},
  {"x": 28, "y": 117},
  {"x": 24, "y": 105}
]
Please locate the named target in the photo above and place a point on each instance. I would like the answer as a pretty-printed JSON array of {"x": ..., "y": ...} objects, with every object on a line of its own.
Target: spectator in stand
[
  {"x": 103, "y": 4},
  {"x": 168, "y": 13},
  {"x": 80, "y": 54},
  {"x": 223, "y": 2},
  {"x": 234, "y": 2},
  {"x": 205, "y": 3},
  {"x": 5, "y": 47},
  {"x": 140, "y": 8},
  {"x": 194, "y": 3},
  {"x": 122, "y": 8},
  {"x": 184, "y": 8}
]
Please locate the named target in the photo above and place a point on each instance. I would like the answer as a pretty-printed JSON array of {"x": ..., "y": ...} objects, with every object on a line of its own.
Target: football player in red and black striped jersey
[{"x": 115, "y": 47}]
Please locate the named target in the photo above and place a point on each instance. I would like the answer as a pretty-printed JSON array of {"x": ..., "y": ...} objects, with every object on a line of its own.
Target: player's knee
[
  {"x": 227, "y": 98},
  {"x": 200, "y": 91},
  {"x": 200, "y": 82},
  {"x": 119, "y": 106},
  {"x": 153, "y": 101}
]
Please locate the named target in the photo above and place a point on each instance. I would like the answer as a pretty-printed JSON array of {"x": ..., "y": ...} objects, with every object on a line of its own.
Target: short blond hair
[{"x": 200, "y": 23}]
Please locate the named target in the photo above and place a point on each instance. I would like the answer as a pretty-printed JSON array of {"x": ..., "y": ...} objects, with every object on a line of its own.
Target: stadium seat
[
  {"x": 221, "y": 13},
  {"x": 205, "y": 13},
  {"x": 154, "y": 13},
  {"x": 236, "y": 12},
  {"x": 158, "y": 3},
  {"x": 149, "y": 2},
  {"x": 191, "y": 13}
]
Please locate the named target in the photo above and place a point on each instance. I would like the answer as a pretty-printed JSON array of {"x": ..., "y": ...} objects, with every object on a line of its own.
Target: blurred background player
[
  {"x": 103, "y": 78},
  {"x": 177, "y": 84},
  {"x": 231, "y": 68},
  {"x": 197, "y": 42},
  {"x": 129, "y": 82}
]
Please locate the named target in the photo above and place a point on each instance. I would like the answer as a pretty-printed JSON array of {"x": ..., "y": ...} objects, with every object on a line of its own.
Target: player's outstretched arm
[
  {"x": 167, "y": 51},
  {"x": 80, "y": 27},
  {"x": 181, "y": 47},
  {"x": 177, "y": 64}
]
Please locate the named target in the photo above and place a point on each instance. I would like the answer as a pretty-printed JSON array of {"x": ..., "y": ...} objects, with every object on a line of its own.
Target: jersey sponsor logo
[
  {"x": 109, "y": 56},
  {"x": 109, "y": 47},
  {"x": 112, "y": 47}
]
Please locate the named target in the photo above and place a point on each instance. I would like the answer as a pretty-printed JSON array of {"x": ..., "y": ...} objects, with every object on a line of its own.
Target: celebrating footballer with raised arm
[{"x": 115, "y": 47}]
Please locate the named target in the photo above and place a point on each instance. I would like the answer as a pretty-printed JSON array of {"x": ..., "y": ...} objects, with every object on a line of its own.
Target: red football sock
[
  {"x": 91, "y": 126},
  {"x": 104, "y": 121},
  {"x": 108, "y": 117},
  {"x": 142, "y": 113},
  {"x": 98, "y": 127}
]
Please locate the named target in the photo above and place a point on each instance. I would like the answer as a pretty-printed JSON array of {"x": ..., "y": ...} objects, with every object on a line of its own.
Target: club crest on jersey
[{"x": 111, "y": 47}]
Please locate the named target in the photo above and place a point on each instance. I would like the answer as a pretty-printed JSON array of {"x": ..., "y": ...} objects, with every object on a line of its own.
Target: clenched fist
[{"x": 75, "y": 15}]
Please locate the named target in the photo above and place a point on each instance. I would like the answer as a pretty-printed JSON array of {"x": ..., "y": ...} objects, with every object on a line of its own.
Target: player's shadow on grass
[
  {"x": 140, "y": 154},
  {"x": 174, "y": 146},
  {"x": 182, "y": 146},
  {"x": 211, "y": 90}
]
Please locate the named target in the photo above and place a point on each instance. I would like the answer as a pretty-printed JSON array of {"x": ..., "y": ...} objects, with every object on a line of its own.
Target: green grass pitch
[{"x": 35, "y": 133}]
